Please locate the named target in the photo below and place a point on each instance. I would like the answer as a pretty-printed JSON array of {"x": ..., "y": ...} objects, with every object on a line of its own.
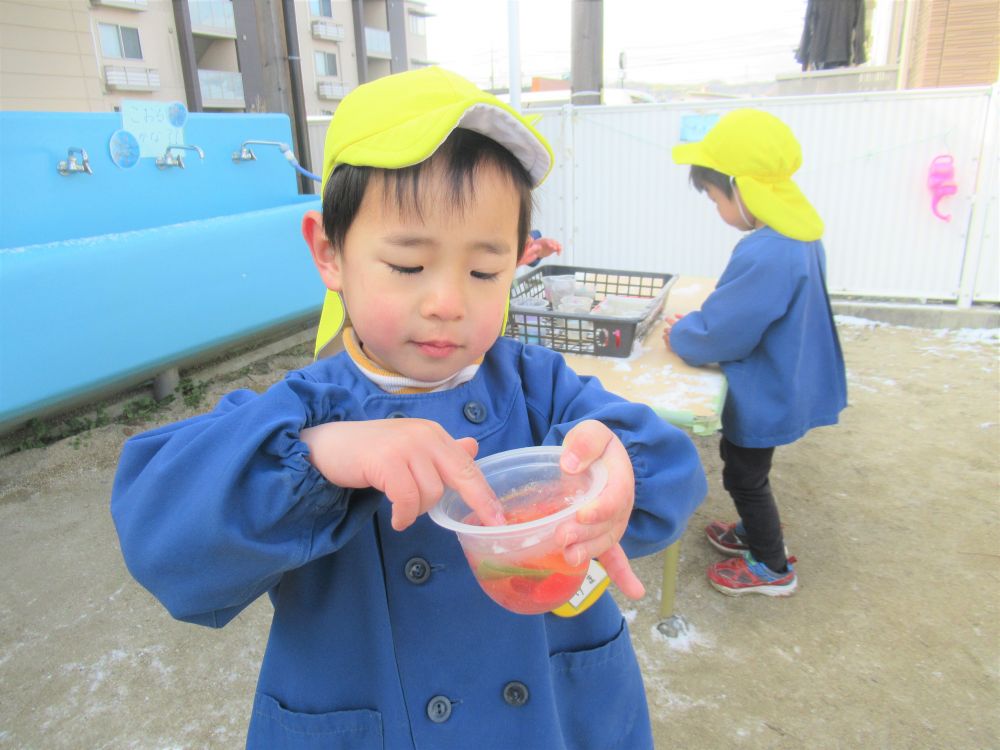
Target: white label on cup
[{"x": 595, "y": 574}]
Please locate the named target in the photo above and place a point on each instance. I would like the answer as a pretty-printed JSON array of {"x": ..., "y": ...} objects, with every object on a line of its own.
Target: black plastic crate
[{"x": 587, "y": 333}]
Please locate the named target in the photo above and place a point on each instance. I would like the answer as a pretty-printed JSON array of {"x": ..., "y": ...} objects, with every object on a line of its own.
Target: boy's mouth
[{"x": 437, "y": 349}]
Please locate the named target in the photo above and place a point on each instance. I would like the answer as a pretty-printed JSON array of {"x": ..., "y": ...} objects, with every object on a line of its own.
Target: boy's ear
[{"x": 326, "y": 260}]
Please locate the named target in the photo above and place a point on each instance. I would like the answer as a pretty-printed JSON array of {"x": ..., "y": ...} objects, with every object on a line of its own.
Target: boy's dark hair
[
  {"x": 461, "y": 154},
  {"x": 702, "y": 177}
]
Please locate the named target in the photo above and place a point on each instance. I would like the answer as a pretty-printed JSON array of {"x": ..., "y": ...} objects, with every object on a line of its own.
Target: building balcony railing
[
  {"x": 131, "y": 78},
  {"x": 377, "y": 43},
  {"x": 332, "y": 32},
  {"x": 839, "y": 80},
  {"x": 331, "y": 90},
  {"x": 221, "y": 89},
  {"x": 212, "y": 18},
  {"x": 123, "y": 4}
]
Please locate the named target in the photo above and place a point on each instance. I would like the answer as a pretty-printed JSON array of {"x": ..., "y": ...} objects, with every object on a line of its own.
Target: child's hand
[
  {"x": 669, "y": 327},
  {"x": 410, "y": 460},
  {"x": 599, "y": 526},
  {"x": 537, "y": 249}
]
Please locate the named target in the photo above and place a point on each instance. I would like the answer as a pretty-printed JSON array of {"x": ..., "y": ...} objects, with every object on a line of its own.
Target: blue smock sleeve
[
  {"x": 669, "y": 478},
  {"x": 753, "y": 292},
  {"x": 211, "y": 511}
]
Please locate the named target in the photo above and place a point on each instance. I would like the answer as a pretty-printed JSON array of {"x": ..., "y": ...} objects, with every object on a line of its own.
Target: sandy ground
[{"x": 893, "y": 640}]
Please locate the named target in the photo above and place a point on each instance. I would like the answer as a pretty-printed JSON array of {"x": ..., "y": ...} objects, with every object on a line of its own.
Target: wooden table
[{"x": 689, "y": 397}]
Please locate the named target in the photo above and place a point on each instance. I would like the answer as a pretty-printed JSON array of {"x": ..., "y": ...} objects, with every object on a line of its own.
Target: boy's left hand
[
  {"x": 669, "y": 327},
  {"x": 599, "y": 526}
]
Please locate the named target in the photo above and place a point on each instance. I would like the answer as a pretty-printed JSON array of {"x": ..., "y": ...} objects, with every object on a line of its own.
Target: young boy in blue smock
[
  {"x": 316, "y": 491},
  {"x": 769, "y": 325}
]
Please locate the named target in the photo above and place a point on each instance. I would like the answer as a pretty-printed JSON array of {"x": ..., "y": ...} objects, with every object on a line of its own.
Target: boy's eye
[
  {"x": 485, "y": 276},
  {"x": 405, "y": 269}
]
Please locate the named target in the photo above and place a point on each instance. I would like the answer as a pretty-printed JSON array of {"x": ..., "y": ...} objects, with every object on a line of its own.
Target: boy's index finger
[{"x": 462, "y": 475}]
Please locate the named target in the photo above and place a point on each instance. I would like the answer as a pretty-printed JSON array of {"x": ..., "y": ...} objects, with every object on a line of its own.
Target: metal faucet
[
  {"x": 70, "y": 165},
  {"x": 247, "y": 154},
  {"x": 169, "y": 160}
]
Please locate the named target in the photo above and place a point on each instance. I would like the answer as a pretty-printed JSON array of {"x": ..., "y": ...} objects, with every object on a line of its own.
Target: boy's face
[
  {"x": 728, "y": 207},
  {"x": 426, "y": 294}
]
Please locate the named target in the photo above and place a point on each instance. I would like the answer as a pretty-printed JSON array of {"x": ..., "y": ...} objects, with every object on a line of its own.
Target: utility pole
[
  {"x": 280, "y": 74},
  {"x": 276, "y": 85},
  {"x": 587, "y": 45},
  {"x": 514, "y": 43}
]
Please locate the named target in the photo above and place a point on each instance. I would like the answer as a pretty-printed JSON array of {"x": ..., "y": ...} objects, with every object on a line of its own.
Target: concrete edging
[{"x": 920, "y": 315}]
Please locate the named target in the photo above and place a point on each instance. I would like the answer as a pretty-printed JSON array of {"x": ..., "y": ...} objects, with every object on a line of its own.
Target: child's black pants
[{"x": 745, "y": 476}]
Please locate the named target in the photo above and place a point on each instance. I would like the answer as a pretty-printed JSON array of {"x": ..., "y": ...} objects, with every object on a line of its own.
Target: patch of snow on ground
[
  {"x": 869, "y": 382},
  {"x": 985, "y": 336},
  {"x": 684, "y": 641},
  {"x": 852, "y": 321},
  {"x": 954, "y": 341}
]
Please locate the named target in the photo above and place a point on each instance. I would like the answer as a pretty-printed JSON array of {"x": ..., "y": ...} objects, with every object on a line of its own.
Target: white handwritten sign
[{"x": 155, "y": 125}]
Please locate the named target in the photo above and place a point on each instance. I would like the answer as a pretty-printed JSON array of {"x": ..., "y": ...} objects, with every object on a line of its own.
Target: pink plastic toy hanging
[{"x": 939, "y": 180}]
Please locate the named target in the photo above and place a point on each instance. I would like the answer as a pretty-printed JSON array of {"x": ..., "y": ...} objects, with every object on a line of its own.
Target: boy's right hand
[{"x": 410, "y": 460}]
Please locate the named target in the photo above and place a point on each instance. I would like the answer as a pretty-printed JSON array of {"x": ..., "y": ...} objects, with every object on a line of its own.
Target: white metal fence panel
[
  {"x": 981, "y": 280},
  {"x": 317, "y": 125},
  {"x": 866, "y": 159}
]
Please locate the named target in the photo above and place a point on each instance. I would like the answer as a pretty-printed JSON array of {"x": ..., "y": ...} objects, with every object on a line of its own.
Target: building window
[
  {"x": 321, "y": 8},
  {"x": 326, "y": 64},
  {"x": 120, "y": 41},
  {"x": 418, "y": 25}
]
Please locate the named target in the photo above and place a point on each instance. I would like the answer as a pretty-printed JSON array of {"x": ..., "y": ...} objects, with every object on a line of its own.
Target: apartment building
[{"x": 213, "y": 55}]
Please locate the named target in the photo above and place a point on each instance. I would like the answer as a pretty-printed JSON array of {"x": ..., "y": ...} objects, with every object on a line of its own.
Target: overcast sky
[{"x": 665, "y": 41}]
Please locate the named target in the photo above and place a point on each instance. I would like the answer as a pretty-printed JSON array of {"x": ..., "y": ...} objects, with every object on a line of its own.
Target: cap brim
[
  {"x": 693, "y": 153},
  {"x": 514, "y": 133}
]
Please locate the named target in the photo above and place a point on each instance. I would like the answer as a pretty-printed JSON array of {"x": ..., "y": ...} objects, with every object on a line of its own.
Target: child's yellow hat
[
  {"x": 760, "y": 152},
  {"x": 401, "y": 120}
]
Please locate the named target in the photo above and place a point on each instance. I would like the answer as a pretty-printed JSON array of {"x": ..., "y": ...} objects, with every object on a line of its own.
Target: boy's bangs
[
  {"x": 459, "y": 160},
  {"x": 452, "y": 172}
]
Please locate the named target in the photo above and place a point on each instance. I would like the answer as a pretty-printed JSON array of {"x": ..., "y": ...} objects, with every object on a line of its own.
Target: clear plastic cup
[
  {"x": 519, "y": 565},
  {"x": 614, "y": 306},
  {"x": 557, "y": 287},
  {"x": 533, "y": 330},
  {"x": 573, "y": 303},
  {"x": 578, "y": 330},
  {"x": 585, "y": 290}
]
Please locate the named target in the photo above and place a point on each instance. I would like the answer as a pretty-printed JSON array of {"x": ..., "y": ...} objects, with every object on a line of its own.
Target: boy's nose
[{"x": 444, "y": 300}]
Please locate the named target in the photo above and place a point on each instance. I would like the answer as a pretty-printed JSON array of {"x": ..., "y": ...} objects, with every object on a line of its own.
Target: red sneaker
[
  {"x": 745, "y": 575},
  {"x": 724, "y": 538}
]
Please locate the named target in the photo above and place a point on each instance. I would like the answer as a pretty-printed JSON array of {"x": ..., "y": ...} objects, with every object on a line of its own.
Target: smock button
[
  {"x": 417, "y": 570},
  {"x": 475, "y": 412},
  {"x": 515, "y": 693},
  {"x": 438, "y": 709},
  {"x": 396, "y": 415}
]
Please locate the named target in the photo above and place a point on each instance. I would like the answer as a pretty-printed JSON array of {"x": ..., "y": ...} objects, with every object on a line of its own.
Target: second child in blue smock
[{"x": 769, "y": 325}]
